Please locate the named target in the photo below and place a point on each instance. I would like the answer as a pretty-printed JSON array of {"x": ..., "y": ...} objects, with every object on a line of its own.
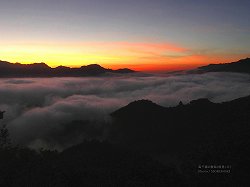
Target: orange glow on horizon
[{"x": 138, "y": 56}]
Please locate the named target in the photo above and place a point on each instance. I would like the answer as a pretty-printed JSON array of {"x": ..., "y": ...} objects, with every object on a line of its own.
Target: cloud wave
[{"x": 59, "y": 112}]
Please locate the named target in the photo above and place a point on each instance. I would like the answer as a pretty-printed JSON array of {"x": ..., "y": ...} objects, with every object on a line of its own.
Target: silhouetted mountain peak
[
  {"x": 143, "y": 103},
  {"x": 4, "y": 64},
  {"x": 92, "y": 66},
  {"x": 201, "y": 101},
  {"x": 241, "y": 66},
  {"x": 94, "y": 69},
  {"x": 145, "y": 108},
  {"x": 8, "y": 69},
  {"x": 139, "y": 107},
  {"x": 41, "y": 65},
  {"x": 246, "y": 60},
  {"x": 125, "y": 70},
  {"x": 62, "y": 67},
  {"x": 180, "y": 104}
]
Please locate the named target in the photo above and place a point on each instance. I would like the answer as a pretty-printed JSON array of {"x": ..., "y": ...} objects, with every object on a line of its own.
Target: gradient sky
[{"x": 138, "y": 34}]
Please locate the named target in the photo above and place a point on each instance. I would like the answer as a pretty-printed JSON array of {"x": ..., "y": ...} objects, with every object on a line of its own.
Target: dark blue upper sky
[{"x": 202, "y": 26}]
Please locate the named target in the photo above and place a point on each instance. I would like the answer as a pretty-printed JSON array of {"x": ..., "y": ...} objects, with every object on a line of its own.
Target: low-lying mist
[{"x": 59, "y": 112}]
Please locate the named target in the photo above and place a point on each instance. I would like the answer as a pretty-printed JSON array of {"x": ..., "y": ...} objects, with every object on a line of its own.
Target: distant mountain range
[
  {"x": 241, "y": 66},
  {"x": 8, "y": 69}
]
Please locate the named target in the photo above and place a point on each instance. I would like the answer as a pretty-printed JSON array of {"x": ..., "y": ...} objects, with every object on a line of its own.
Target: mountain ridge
[
  {"x": 240, "y": 66},
  {"x": 8, "y": 69},
  {"x": 171, "y": 129}
]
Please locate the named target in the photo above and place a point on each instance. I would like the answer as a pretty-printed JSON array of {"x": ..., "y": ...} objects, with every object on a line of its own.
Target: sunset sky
[{"x": 138, "y": 34}]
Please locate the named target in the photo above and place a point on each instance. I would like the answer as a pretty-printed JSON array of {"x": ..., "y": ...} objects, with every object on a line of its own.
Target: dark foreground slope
[
  {"x": 43, "y": 70},
  {"x": 88, "y": 164},
  {"x": 148, "y": 145},
  {"x": 198, "y": 133},
  {"x": 241, "y": 66}
]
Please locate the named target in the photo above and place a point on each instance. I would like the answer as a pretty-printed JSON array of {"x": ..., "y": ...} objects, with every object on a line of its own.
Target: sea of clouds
[{"x": 55, "y": 112}]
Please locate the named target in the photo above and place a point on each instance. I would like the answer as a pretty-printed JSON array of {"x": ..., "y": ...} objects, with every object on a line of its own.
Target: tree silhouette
[{"x": 5, "y": 141}]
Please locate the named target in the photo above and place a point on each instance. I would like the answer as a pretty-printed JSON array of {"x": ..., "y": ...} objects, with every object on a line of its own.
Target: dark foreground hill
[
  {"x": 198, "y": 133},
  {"x": 88, "y": 164},
  {"x": 148, "y": 145},
  {"x": 43, "y": 70},
  {"x": 241, "y": 66}
]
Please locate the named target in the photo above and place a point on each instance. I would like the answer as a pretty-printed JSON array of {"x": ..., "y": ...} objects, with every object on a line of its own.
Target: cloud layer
[{"x": 58, "y": 112}]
